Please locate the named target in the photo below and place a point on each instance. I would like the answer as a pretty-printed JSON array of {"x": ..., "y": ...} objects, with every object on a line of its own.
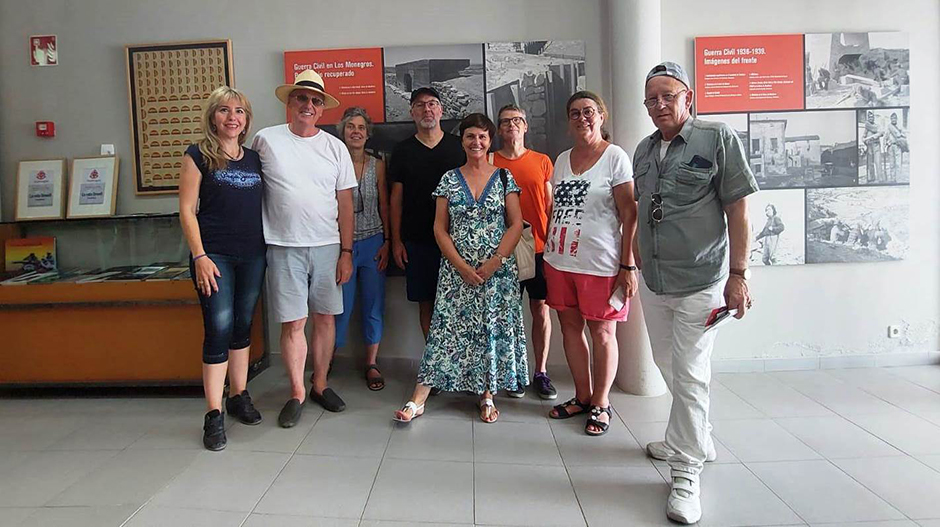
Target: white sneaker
[
  {"x": 684, "y": 505},
  {"x": 659, "y": 450}
]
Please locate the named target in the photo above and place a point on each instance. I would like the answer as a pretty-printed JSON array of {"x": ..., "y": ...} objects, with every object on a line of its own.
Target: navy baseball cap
[
  {"x": 670, "y": 69},
  {"x": 425, "y": 91}
]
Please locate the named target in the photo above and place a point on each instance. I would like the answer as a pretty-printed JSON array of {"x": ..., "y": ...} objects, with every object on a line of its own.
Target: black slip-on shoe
[
  {"x": 329, "y": 400},
  {"x": 290, "y": 414}
]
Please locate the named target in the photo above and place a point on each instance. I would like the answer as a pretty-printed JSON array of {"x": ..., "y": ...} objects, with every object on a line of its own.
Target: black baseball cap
[{"x": 427, "y": 90}]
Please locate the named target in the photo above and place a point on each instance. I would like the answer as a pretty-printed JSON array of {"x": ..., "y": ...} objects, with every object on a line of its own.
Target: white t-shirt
[
  {"x": 584, "y": 230},
  {"x": 301, "y": 177},
  {"x": 663, "y": 146}
]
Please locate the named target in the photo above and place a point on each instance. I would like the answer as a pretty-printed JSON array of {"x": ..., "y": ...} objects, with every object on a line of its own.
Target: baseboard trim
[{"x": 825, "y": 362}]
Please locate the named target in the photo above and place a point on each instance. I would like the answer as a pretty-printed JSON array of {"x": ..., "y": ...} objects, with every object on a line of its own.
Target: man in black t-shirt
[{"x": 416, "y": 168}]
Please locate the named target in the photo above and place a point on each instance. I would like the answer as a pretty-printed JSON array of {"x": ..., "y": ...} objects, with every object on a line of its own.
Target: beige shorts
[{"x": 302, "y": 280}]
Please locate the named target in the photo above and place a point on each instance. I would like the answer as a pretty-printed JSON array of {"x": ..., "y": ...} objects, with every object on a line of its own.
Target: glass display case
[{"x": 141, "y": 324}]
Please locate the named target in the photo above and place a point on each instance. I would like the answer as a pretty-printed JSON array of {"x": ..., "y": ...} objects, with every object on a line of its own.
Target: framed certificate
[
  {"x": 93, "y": 187},
  {"x": 40, "y": 185}
]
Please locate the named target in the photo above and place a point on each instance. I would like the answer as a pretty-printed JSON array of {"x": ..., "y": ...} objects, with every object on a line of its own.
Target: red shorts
[{"x": 587, "y": 293}]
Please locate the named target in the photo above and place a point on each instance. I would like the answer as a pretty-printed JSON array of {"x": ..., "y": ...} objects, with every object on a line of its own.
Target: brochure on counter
[{"x": 161, "y": 271}]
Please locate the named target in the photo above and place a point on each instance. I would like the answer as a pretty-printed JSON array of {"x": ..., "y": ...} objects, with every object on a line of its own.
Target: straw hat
[{"x": 306, "y": 80}]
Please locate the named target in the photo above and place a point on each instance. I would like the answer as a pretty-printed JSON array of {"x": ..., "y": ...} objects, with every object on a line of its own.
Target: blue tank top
[{"x": 230, "y": 205}]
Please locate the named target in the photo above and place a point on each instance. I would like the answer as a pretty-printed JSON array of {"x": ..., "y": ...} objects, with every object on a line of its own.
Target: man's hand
[
  {"x": 343, "y": 268},
  {"x": 627, "y": 280},
  {"x": 400, "y": 254},
  {"x": 737, "y": 295}
]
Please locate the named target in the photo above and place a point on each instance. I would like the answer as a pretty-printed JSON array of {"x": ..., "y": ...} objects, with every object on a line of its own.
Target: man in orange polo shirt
[{"x": 533, "y": 173}]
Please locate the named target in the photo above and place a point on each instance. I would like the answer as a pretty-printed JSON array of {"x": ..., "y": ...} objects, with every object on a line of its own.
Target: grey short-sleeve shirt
[{"x": 705, "y": 168}]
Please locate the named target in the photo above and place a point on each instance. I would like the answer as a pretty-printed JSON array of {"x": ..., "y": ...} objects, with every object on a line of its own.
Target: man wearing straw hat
[{"x": 308, "y": 225}]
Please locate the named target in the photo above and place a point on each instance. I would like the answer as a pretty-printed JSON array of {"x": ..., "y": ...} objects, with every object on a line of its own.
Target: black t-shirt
[
  {"x": 419, "y": 169},
  {"x": 230, "y": 205}
]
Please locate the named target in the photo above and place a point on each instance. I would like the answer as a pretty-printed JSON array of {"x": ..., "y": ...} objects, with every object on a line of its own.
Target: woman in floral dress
[{"x": 477, "y": 338}]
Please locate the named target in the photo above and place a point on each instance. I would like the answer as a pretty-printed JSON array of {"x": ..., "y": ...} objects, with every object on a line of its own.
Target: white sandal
[
  {"x": 488, "y": 401},
  {"x": 416, "y": 412}
]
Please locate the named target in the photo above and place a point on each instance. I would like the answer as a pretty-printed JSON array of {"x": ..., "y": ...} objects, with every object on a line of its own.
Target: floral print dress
[{"x": 477, "y": 338}]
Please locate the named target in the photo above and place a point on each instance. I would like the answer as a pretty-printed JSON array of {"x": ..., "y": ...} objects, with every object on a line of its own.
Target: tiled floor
[{"x": 830, "y": 447}]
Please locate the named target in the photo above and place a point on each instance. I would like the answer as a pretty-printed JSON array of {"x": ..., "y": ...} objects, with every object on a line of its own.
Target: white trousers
[{"x": 682, "y": 350}]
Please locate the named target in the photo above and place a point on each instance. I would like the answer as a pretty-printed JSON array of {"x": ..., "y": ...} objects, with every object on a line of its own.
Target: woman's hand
[
  {"x": 206, "y": 271},
  {"x": 382, "y": 256},
  {"x": 489, "y": 267},
  {"x": 469, "y": 274},
  {"x": 628, "y": 281}
]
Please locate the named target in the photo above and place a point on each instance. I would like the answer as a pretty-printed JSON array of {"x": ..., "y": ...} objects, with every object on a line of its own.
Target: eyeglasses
[
  {"x": 430, "y": 105},
  {"x": 587, "y": 113},
  {"x": 665, "y": 99},
  {"x": 303, "y": 98},
  {"x": 656, "y": 209},
  {"x": 518, "y": 121}
]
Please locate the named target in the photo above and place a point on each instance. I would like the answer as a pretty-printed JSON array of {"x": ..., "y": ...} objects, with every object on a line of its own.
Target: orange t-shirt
[{"x": 531, "y": 171}]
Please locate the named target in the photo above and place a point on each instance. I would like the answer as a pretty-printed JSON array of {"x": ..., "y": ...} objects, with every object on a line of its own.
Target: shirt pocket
[{"x": 692, "y": 184}]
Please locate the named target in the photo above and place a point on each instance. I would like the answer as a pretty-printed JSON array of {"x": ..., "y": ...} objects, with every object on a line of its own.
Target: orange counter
[{"x": 110, "y": 333}]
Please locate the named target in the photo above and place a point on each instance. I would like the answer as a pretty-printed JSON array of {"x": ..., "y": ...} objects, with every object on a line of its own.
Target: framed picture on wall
[
  {"x": 168, "y": 85},
  {"x": 40, "y": 185},
  {"x": 92, "y": 187}
]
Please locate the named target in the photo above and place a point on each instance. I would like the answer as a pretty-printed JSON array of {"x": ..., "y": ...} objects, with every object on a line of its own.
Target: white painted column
[{"x": 634, "y": 28}]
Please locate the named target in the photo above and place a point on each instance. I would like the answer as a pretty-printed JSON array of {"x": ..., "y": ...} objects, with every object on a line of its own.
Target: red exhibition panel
[
  {"x": 748, "y": 73},
  {"x": 354, "y": 76}
]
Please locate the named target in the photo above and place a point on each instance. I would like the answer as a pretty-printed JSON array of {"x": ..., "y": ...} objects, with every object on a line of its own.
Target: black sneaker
[
  {"x": 518, "y": 393},
  {"x": 543, "y": 386},
  {"x": 240, "y": 408},
  {"x": 214, "y": 431}
]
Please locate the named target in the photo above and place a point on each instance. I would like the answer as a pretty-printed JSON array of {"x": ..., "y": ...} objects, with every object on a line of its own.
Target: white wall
[{"x": 832, "y": 310}]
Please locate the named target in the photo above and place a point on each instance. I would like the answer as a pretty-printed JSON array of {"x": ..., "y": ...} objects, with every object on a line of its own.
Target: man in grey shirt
[{"x": 692, "y": 179}]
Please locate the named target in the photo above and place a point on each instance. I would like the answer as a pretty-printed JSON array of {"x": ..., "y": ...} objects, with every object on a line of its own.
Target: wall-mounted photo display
[
  {"x": 40, "y": 185},
  {"x": 538, "y": 76},
  {"x": 834, "y": 168},
  {"x": 455, "y": 71},
  {"x": 777, "y": 228},
  {"x": 803, "y": 149},
  {"x": 738, "y": 122},
  {"x": 93, "y": 187},
  {"x": 857, "y": 224},
  {"x": 857, "y": 70},
  {"x": 168, "y": 86},
  {"x": 884, "y": 154}
]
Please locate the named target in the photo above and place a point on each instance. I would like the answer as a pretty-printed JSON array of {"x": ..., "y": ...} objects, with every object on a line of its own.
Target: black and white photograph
[
  {"x": 777, "y": 227},
  {"x": 804, "y": 149},
  {"x": 857, "y": 224},
  {"x": 538, "y": 76},
  {"x": 737, "y": 122},
  {"x": 857, "y": 70},
  {"x": 884, "y": 156},
  {"x": 455, "y": 71}
]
